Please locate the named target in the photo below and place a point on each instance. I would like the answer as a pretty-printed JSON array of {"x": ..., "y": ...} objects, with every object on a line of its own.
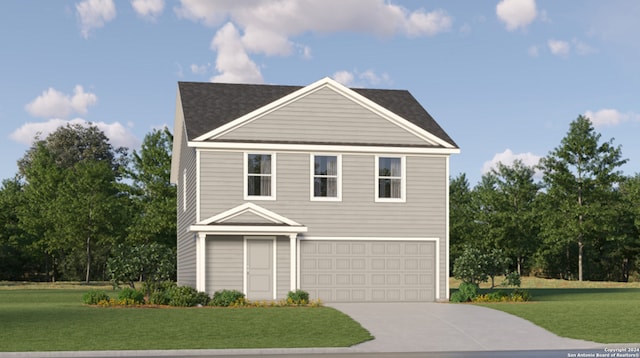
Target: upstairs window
[
  {"x": 390, "y": 179},
  {"x": 325, "y": 177},
  {"x": 260, "y": 176}
]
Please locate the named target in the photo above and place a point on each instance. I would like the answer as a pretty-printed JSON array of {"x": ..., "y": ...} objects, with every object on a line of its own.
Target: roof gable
[{"x": 212, "y": 109}]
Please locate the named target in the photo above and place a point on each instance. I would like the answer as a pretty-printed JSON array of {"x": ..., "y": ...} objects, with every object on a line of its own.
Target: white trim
[
  {"x": 184, "y": 189},
  {"x": 403, "y": 180},
  {"x": 312, "y": 197},
  {"x": 283, "y": 147},
  {"x": 274, "y": 278},
  {"x": 369, "y": 238},
  {"x": 292, "y": 261},
  {"x": 248, "y": 208},
  {"x": 248, "y": 230},
  {"x": 342, "y": 238},
  {"x": 244, "y": 265},
  {"x": 446, "y": 235},
  {"x": 298, "y": 262},
  {"x": 334, "y": 85},
  {"x": 272, "y": 175},
  {"x": 197, "y": 183},
  {"x": 201, "y": 262}
]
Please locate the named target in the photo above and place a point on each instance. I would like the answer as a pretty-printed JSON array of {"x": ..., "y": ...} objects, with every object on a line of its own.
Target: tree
[
  {"x": 579, "y": 178},
  {"x": 154, "y": 195},
  {"x": 461, "y": 216},
  {"x": 514, "y": 227},
  {"x": 69, "y": 178}
]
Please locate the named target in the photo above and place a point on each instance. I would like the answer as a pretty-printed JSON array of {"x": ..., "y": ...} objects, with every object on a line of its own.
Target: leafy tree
[
  {"x": 470, "y": 267},
  {"x": 510, "y": 199},
  {"x": 461, "y": 216},
  {"x": 579, "y": 178},
  {"x": 154, "y": 195},
  {"x": 151, "y": 263},
  {"x": 70, "y": 181}
]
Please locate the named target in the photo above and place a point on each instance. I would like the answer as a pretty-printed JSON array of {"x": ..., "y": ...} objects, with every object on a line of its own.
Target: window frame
[
  {"x": 245, "y": 175},
  {"x": 312, "y": 177},
  {"x": 403, "y": 180}
]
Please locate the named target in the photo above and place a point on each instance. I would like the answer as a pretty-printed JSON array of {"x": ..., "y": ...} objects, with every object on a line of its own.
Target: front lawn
[
  {"x": 56, "y": 320},
  {"x": 605, "y": 315}
]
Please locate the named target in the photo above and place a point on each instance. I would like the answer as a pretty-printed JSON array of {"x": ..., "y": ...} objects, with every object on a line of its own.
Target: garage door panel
[{"x": 368, "y": 270}]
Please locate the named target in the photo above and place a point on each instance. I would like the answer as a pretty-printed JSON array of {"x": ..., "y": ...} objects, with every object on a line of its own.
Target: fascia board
[
  {"x": 285, "y": 147},
  {"x": 248, "y": 230}
]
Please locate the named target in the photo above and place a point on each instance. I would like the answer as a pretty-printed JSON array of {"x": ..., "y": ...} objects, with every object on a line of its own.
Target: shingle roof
[{"x": 207, "y": 106}]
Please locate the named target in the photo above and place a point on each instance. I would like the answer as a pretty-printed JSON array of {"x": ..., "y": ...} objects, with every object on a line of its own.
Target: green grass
[
  {"x": 604, "y": 315},
  {"x": 51, "y": 319}
]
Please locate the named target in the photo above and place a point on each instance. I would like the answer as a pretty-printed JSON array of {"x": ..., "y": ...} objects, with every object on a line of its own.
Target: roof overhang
[{"x": 271, "y": 223}]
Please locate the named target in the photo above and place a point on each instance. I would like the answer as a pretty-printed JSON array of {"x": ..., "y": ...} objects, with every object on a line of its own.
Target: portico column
[
  {"x": 293, "y": 258},
  {"x": 201, "y": 262}
]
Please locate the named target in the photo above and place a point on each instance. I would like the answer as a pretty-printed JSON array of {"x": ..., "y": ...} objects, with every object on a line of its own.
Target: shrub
[
  {"x": 226, "y": 298},
  {"x": 512, "y": 279},
  {"x": 93, "y": 297},
  {"x": 160, "y": 292},
  {"x": 185, "y": 296},
  {"x": 519, "y": 295},
  {"x": 298, "y": 297},
  {"x": 129, "y": 294}
]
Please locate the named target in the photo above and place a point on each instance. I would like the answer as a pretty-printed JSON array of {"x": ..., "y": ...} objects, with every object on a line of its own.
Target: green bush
[
  {"x": 131, "y": 294},
  {"x": 226, "y": 298},
  {"x": 512, "y": 279},
  {"x": 93, "y": 297},
  {"x": 298, "y": 297},
  {"x": 519, "y": 295},
  {"x": 160, "y": 292},
  {"x": 466, "y": 292},
  {"x": 185, "y": 296}
]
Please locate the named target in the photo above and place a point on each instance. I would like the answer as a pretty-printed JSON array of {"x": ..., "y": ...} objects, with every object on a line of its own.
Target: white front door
[{"x": 260, "y": 269}]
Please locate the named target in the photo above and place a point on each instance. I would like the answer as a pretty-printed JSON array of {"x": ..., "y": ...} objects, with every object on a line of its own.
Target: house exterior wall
[
  {"x": 186, "y": 213},
  {"x": 323, "y": 116},
  {"x": 283, "y": 267},
  {"x": 224, "y": 267},
  {"x": 357, "y": 215}
]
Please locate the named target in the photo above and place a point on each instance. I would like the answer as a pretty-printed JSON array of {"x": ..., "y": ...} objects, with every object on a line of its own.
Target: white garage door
[{"x": 360, "y": 271}]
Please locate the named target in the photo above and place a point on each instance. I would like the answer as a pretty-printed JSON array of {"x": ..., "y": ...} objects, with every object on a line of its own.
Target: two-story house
[{"x": 342, "y": 192}]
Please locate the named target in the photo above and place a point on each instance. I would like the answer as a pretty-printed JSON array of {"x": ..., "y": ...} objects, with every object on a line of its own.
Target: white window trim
[
  {"x": 312, "y": 197},
  {"x": 403, "y": 180},
  {"x": 245, "y": 177}
]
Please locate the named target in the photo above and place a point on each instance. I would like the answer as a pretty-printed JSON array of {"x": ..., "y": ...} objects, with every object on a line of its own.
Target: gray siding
[
  {"x": 357, "y": 215},
  {"x": 186, "y": 240},
  {"x": 283, "y": 268},
  {"x": 224, "y": 263},
  {"x": 324, "y": 116}
]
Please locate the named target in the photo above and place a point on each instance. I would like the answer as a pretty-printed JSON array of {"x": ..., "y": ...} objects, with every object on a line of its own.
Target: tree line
[
  {"x": 76, "y": 201},
  {"x": 79, "y": 209},
  {"x": 580, "y": 220}
]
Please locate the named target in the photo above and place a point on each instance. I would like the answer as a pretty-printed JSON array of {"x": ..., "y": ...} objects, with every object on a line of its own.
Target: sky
[{"x": 504, "y": 78}]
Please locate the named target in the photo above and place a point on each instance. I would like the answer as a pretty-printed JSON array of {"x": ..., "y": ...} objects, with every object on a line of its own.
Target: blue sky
[{"x": 503, "y": 77}]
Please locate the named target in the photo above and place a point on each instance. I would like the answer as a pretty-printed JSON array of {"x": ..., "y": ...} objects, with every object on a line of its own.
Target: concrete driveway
[{"x": 443, "y": 327}]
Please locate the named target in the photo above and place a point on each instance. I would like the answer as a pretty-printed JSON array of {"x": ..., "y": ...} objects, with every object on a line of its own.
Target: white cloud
[
  {"x": 269, "y": 27},
  {"x": 508, "y": 157},
  {"x": 559, "y": 48},
  {"x": 148, "y": 8},
  {"x": 233, "y": 62},
  {"x": 516, "y": 13},
  {"x": 582, "y": 48},
  {"x": 610, "y": 117},
  {"x": 200, "y": 69},
  {"x": 94, "y": 14},
  {"x": 361, "y": 79},
  {"x": 119, "y": 135},
  {"x": 344, "y": 77},
  {"x": 53, "y": 103}
]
